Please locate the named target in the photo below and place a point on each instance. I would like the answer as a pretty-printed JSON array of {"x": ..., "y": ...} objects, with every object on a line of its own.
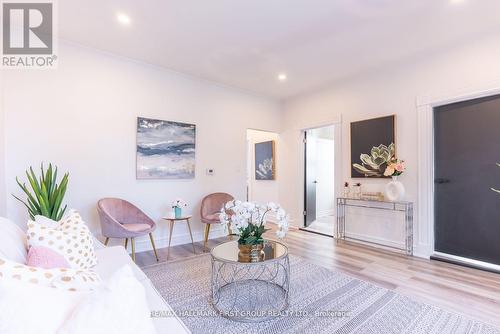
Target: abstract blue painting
[{"x": 165, "y": 150}]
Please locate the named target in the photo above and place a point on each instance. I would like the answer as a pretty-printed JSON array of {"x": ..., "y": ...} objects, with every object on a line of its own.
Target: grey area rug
[{"x": 185, "y": 285}]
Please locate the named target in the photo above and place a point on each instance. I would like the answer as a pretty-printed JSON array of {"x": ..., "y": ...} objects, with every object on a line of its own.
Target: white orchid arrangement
[
  {"x": 249, "y": 220},
  {"x": 179, "y": 203}
]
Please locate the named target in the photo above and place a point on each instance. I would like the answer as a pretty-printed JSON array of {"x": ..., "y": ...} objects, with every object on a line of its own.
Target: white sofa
[
  {"x": 13, "y": 246},
  {"x": 111, "y": 259}
]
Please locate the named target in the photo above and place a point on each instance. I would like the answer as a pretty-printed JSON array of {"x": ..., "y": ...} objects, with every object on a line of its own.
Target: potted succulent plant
[
  {"x": 46, "y": 194},
  {"x": 249, "y": 221}
]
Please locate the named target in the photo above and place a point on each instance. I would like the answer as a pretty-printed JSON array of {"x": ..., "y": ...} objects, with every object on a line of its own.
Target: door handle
[
  {"x": 441, "y": 181},
  {"x": 315, "y": 181}
]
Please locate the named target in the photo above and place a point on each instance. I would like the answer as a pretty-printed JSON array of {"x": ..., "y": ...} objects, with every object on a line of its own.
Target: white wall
[
  {"x": 389, "y": 90},
  {"x": 82, "y": 117},
  {"x": 3, "y": 194},
  {"x": 262, "y": 191}
]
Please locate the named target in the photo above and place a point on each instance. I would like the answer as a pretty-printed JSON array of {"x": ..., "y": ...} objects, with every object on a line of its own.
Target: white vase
[{"x": 394, "y": 190}]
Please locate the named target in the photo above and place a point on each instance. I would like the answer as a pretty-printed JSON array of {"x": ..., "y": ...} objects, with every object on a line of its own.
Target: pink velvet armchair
[
  {"x": 210, "y": 211},
  {"x": 123, "y": 220}
]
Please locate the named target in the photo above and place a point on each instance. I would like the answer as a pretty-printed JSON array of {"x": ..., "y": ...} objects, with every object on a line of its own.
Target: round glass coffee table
[{"x": 250, "y": 291}]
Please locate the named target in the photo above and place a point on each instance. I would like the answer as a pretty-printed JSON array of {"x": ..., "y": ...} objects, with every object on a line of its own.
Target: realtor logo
[{"x": 27, "y": 35}]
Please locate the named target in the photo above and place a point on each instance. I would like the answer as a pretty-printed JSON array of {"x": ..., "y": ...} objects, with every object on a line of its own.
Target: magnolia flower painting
[
  {"x": 264, "y": 161},
  {"x": 165, "y": 150}
]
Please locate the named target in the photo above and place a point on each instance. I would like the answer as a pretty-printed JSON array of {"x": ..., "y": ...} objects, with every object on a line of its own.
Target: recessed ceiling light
[
  {"x": 123, "y": 18},
  {"x": 456, "y": 2},
  {"x": 282, "y": 77}
]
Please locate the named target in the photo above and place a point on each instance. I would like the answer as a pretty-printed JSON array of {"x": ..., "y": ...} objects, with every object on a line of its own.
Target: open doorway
[{"x": 319, "y": 185}]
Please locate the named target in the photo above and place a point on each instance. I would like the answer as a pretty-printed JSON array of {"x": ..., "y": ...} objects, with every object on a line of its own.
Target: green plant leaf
[{"x": 45, "y": 196}]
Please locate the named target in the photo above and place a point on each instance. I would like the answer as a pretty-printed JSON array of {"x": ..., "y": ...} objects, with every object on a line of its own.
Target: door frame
[
  {"x": 425, "y": 131},
  {"x": 304, "y": 212},
  {"x": 337, "y": 124}
]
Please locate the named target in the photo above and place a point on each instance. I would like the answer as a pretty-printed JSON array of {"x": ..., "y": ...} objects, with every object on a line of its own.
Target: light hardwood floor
[{"x": 464, "y": 290}]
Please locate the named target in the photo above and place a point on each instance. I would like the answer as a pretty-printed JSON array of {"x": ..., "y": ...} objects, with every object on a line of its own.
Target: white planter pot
[{"x": 394, "y": 190}]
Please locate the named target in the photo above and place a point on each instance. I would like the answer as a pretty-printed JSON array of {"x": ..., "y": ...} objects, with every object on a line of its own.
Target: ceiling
[{"x": 247, "y": 43}]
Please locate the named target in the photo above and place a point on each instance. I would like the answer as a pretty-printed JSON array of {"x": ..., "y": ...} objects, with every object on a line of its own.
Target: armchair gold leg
[
  {"x": 133, "y": 248},
  {"x": 230, "y": 233},
  {"x": 106, "y": 241},
  {"x": 154, "y": 247},
  {"x": 126, "y": 243},
  {"x": 207, "y": 231}
]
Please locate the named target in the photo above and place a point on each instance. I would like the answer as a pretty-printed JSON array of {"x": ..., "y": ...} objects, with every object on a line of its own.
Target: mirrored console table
[{"x": 406, "y": 207}]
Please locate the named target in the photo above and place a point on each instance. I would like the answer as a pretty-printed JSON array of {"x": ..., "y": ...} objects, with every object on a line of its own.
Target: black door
[
  {"x": 310, "y": 180},
  {"x": 467, "y": 148}
]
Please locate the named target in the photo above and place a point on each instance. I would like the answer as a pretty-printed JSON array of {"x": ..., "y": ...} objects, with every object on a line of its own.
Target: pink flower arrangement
[{"x": 395, "y": 167}]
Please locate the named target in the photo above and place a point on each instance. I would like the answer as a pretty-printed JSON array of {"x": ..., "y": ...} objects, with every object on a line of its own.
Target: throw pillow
[
  {"x": 63, "y": 278},
  {"x": 70, "y": 237},
  {"x": 13, "y": 244},
  {"x": 46, "y": 258}
]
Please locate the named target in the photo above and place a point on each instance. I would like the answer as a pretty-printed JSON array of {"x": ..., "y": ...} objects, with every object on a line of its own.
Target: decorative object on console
[
  {"x": 372, "y": 196},
  {"x": 165, "y": 150},
  {"x": 346, "y": 189},
  {"x": 356, "y": 190},
  {"x": 372, "y": 145},
  {"x": 395, "y": 190},
  {"x": 265, "y": 168},
  {"x": 177, "y": 205},
  {"x": 47, "y": 196},
  {"x": 249, "y": 220}
]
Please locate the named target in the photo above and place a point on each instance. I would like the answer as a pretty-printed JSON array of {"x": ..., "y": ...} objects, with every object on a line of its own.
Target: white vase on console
[{"x": 394, "y": 190}]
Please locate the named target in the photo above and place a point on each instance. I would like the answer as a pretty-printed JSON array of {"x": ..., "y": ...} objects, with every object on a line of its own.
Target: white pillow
[
  {"x": 118, "y": 306},
  {"x": 53, "y": 224},
  {"x": 62, "y": 278},
  {"x": 34, "y": 309},
  {"x": 47, "y": 222},
  {"x": 13, "y": 245},
  {"x": 70, "y": 237}
]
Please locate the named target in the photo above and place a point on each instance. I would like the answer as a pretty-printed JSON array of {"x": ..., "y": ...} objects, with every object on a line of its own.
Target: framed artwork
[
  {"x": 372, "y": 146},
  {"x": 265, "y": 161},
  {"x": 165, "y": 150}
]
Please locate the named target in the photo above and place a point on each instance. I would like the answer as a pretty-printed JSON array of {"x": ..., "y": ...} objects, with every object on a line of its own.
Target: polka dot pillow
[
  {"x": 70, "y": 237},
  {"x": 63, "y": 278}
]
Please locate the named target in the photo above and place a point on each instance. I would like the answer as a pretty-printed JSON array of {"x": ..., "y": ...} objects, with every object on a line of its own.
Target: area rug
[{"x": 321, "y": 301}]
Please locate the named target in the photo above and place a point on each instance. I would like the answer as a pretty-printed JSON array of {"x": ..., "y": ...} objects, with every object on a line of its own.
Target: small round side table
[{"x": 172, "y": 220}]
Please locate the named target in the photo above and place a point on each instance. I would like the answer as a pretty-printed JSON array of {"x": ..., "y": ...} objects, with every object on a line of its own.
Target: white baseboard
[{"x": 144, "y": 244}]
